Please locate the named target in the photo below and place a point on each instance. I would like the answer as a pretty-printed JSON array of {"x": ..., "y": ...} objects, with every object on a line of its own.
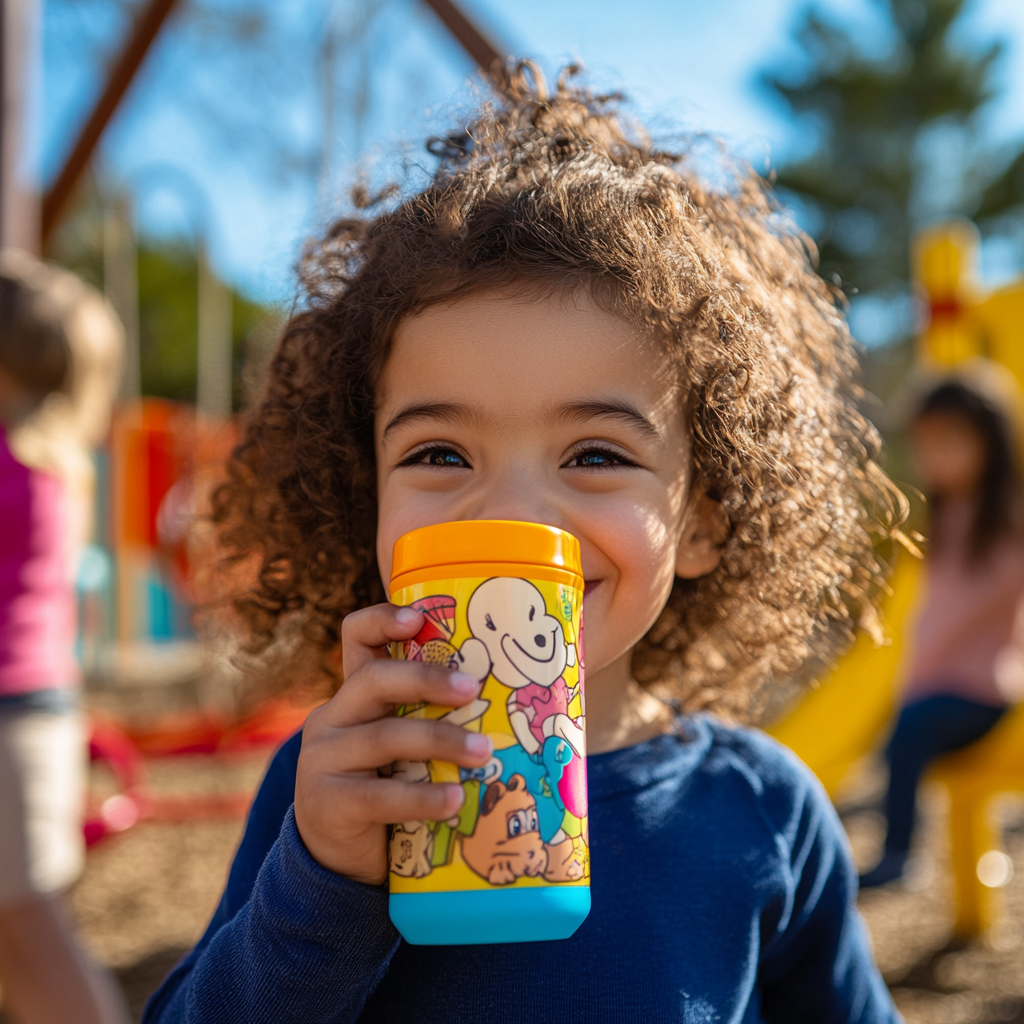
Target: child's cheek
[{"x": 641, "y": 549}]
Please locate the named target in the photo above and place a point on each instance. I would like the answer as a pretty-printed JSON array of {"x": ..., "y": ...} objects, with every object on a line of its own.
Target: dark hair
[
  {"x": 998, "y": 512},
  {"x": 34, "y": 345},
  {"x": 552, "y": 192}
]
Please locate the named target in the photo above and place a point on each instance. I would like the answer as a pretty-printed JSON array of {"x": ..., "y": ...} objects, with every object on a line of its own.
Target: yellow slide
[{"x": 843, "y": 719}]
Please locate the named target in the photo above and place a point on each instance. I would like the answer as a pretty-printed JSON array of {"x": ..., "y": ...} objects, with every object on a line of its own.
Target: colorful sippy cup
[{"x": 503, "y": 602}]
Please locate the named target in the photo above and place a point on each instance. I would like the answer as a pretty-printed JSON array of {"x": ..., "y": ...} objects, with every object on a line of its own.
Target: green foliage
[
  {"x": 864, "y": 181},
  {"x": 1004, "y": 194},
  {"x": 168, "y": 288},
  {"x": 168, "y": 321}
]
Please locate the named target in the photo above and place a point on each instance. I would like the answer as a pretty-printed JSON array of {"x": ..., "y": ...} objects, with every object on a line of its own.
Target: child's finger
[
  {"x": 374, "y": 690},
  {"x": 386, "y": 801},
  {"x": 366, "y": 633},
  {"x": 369, "y": 746}
]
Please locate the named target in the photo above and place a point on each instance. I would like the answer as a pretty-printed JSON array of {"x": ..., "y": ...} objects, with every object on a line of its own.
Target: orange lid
[{"x": 485, "y": 540}]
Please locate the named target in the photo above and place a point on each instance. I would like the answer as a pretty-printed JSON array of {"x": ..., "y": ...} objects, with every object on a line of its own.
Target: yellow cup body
[{"x": 503, "y": 602}]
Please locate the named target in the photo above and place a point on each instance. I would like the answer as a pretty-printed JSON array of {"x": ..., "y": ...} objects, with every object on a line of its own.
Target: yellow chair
[
  {"x": 973, "y": 777},
  {"x": 845, "y": 718},
  {"x": 848, "y": 716}
]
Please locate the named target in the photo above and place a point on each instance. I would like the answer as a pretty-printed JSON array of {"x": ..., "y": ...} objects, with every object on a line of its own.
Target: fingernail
[
  {"x": 406, "y": 616},
  {"x": 478, "y": 744},
  {"x": 455, "y": 790},
  {"x": 463, "y": 683}
]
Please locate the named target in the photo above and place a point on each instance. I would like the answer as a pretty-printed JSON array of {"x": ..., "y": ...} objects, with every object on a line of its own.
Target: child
[
  {"x": 964, "y": 660},
  {"x": 564, "y": 327},
  {"x": 59, "y": 353}
]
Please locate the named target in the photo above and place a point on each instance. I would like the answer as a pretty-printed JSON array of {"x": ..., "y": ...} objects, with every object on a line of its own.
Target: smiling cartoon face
[{"x": 525, "y": 644}]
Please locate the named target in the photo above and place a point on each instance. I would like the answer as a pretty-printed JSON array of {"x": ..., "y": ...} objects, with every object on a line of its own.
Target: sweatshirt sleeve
[
  {"x": 290, "y": 940},
  {"x": 816, "y": 963}
]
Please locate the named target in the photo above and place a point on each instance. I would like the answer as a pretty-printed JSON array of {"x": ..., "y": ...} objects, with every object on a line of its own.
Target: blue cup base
[{"x": 482, "y": 916}]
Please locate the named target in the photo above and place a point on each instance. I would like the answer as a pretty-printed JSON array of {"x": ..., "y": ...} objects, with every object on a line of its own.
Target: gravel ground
[
  {"x": 148, "y": 893},
  {"x": 933, "y": 981},
  {"x": 146, "y": 897}
]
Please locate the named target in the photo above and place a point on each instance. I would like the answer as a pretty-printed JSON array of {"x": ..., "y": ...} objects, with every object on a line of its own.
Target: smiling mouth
[{"x": 537, "y": 661}]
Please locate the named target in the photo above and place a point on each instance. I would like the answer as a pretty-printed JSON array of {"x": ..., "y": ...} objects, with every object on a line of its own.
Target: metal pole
[
  {"x": 121, "y": 283},
  {"x": 147, "y": 25},
  {"x": 215, "y": 376},
  {"x": 19, "y": 67}
]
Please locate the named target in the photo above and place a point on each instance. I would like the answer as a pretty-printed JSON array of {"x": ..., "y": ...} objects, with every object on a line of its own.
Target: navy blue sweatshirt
[{"x": 722, "y": 890}]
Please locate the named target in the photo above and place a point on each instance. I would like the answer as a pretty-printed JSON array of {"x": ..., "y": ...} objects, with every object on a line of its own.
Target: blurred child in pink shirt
[
  {"x": 964, "y": 659},
  {"x": 59, "y": 354}
]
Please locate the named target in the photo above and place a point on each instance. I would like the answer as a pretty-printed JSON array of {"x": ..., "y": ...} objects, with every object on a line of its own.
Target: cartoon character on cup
[
  {"x": 506, "y": 843},
  {"x": 529, "y": 653}
]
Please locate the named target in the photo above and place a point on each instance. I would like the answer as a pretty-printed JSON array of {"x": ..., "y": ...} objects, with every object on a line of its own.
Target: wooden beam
[
  {"x": 469, "y": 36},
  {"x": 480, "y": 49},
  {"x": 147, "y": 26}
]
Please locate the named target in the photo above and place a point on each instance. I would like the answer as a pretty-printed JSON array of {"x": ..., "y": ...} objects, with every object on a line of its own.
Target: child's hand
[{"x": 342, "y": 806}]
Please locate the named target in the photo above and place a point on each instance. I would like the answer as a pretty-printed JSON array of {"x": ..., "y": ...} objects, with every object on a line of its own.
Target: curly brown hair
[{"x": 552, "y": 191}]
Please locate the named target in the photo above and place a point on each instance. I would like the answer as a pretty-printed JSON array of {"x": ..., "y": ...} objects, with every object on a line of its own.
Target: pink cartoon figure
[{"x": 528, "y": 652}]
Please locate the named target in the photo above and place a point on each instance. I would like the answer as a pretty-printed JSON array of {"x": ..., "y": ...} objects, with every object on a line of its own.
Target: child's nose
[{"x": 514, "y": 492}]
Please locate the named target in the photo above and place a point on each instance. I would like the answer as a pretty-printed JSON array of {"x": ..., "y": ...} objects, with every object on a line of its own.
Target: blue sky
[{"x": 200, "y": 137}]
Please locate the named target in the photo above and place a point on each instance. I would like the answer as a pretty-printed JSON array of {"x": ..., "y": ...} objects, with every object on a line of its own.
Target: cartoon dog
[
  {"x": 411, "y": 849},
  {"x": 528, "y": 652},
  {"x": 542, "y": 773},
  {"x": 566, "y": 861},
  {"x": 549, "y": 775},
  {"x": 506, "y": 843}
]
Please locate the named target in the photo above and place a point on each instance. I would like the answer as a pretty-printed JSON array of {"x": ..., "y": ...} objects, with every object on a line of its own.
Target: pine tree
[{"x": 864, "y": 184}]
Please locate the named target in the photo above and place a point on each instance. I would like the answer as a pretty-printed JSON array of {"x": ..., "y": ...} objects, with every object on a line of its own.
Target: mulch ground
[{"x": 147, "y": 894}]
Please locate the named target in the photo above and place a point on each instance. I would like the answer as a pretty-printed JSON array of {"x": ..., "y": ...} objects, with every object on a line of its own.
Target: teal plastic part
[{"x": 489, "y": 915}]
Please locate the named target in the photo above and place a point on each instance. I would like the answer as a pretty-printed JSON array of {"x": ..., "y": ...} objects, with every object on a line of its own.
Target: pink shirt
[
  {"x": 37, "y": 601},
  {"x": 539, "y": 703},
  {"x": 963, "y": 642}
]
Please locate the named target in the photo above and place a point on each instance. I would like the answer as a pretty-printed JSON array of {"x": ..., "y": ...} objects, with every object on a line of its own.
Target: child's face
[
  {"x": 553, "y": 411},
  {"x": 949, "y": 454}
]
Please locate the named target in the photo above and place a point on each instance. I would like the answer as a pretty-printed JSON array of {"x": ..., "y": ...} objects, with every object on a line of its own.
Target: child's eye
[
  {"x": 593, "y": 457},
  {"x": 442, "y": 456}
]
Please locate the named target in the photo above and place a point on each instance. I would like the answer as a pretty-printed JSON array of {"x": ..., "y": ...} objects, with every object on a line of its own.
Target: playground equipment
[
  {"x": 135, "y": 589},
  {"x": 846, "y": 717},
  {"x": 843, "y": 720},
  {"x": 974, "y": 777},
  {"x": 154, "y": 474},
  {"x": 124, "y": 751}
]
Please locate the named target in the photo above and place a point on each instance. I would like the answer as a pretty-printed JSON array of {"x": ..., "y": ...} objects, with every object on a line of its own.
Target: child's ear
[{"x": 705, "y": 530}]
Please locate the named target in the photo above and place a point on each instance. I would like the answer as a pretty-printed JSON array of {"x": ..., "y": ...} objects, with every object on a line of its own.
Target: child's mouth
[{"x": 589, "y": 586}]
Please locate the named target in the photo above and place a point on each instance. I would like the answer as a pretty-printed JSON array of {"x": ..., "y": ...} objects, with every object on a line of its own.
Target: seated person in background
[{"x": 963, "y": 662}]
